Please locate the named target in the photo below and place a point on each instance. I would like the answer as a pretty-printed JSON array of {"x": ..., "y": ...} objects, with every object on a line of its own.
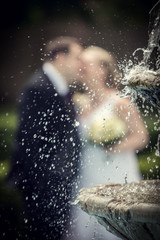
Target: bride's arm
[{"x": 137, "y": 136}]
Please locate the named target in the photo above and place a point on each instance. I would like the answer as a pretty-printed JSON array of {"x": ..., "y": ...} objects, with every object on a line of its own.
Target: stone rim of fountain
[
  {"x": 99, "y": 205},
  {"x": 124, "y": 219}
]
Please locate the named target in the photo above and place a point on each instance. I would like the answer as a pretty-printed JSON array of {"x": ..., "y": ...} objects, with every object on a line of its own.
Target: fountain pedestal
[{"x": 130, "y": 211}]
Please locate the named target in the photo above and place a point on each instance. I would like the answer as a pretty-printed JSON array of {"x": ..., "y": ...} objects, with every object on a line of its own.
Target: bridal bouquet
[{"x": 107, "y": 131}]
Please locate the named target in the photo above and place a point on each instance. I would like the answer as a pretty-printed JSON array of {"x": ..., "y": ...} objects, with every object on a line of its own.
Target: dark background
[{"x": 120, "y": 26}]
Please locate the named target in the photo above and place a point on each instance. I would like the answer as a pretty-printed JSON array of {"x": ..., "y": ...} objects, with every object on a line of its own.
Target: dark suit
[{"x": 46, "y": 158}]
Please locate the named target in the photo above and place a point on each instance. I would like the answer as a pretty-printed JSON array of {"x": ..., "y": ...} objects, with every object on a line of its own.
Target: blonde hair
[{"x": 106, "y": 59}]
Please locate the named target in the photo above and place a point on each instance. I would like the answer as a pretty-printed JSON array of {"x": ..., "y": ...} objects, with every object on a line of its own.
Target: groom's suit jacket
[{"x": 47, "y": 148}]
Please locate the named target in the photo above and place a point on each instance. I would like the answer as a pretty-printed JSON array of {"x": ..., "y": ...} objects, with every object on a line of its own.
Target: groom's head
[{"x": 64, "y": 54}]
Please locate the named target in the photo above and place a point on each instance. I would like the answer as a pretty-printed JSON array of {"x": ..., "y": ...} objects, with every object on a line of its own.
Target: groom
[{"x": 46, "y": 153}]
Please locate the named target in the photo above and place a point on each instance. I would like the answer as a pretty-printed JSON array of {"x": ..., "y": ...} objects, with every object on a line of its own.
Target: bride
[{"x": 112, "y": 131}]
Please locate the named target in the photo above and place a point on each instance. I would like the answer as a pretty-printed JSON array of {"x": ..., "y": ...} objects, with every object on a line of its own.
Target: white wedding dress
[{"x": 100, "y": 168}]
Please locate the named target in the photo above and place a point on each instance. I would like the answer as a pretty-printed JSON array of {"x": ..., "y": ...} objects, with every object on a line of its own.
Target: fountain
[
  {"x": 131, "y": 211},
  {"x": 144, "y": 78}
]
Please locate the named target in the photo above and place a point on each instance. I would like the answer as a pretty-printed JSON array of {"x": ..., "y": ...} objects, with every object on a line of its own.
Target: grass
[
  {"x": 149, "y": 162},
  {"x": 149, "y": 165},
  {"x": 8, "y": 124},
  {"x": 4, "y": 168}
]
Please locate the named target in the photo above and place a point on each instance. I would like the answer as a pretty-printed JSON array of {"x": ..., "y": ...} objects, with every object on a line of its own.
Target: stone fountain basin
[{"x": 129, "y": 211}]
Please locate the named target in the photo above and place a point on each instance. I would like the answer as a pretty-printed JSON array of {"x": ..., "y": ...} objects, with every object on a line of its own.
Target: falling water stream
[{"x": 143, "y": 79}]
